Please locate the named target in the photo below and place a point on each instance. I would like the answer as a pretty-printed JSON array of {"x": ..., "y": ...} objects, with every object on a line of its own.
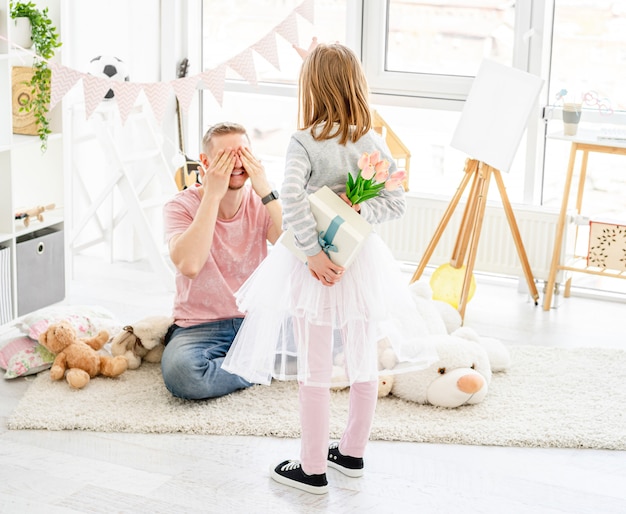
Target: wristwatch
[{"x": 272, "y": 196}]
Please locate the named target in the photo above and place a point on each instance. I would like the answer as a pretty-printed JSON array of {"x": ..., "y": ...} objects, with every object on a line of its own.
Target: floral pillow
[
  {"x": 86, "y": 320},
  {"x": 24, "y": 356}
]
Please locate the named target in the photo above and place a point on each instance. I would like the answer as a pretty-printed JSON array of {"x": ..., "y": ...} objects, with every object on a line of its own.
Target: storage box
[
  {"x": 607, "y": 244},
  {"x": 40, "y": 270},
  {"x": 341, "y": 227}
]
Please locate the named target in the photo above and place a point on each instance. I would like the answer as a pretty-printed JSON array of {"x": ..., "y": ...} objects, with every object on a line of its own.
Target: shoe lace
[
  {"x": 291, "y": 465},
  {"x": 333, "y": 446}
]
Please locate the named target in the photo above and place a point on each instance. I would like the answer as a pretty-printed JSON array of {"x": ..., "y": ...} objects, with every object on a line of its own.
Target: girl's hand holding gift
[{"x": 324, "y": 270}]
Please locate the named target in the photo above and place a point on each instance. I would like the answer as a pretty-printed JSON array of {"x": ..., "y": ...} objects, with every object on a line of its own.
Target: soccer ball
[{"x": 108, "y": 67}]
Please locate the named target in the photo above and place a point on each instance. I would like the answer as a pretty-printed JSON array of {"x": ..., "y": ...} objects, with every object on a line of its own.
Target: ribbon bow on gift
[{"x": 325, "y": 239}]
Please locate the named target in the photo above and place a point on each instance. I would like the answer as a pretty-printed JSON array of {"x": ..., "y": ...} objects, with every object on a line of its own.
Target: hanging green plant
[{"x": 45, "y": 39}]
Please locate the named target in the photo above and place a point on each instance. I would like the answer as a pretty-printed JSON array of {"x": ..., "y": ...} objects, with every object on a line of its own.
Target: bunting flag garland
[
  {"x": 158, "y": 93},
  {"x": 289, "y": 29},
  {"x": 125, "y": 96},
  {"x": 306, "y": 10},
  {"x": 63, "y": 82},
  {"x": 94, "y": 90},
  {"x": 267, "y": 49},
  {"x": 185, "y": 88},
  {"x": 243, "y": 64},
  {"x": 213, "y": 80}
]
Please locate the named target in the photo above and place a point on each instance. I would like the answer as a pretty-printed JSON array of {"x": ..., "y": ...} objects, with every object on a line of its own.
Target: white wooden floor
[{"x": 63, "y": 472}]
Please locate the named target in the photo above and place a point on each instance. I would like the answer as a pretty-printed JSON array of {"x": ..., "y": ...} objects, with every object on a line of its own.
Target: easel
[{"x": 471, "y": 224}]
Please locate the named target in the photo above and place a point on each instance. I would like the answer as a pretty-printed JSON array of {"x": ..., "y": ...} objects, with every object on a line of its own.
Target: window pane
[
  {"x": 448, "y": 38},
  {"x": 436, "y": 167},
  {"x": 232, "y": 27},
  {"x": 588, "y": 52},
  {"x": 587, "y": 57}
]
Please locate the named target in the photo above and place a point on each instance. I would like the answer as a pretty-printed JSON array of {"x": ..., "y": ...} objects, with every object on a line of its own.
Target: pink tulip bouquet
[{"x": 372, "y": 178}]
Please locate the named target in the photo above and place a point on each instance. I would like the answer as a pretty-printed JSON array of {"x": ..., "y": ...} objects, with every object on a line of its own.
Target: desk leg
[
  {"x": 581, "y": 181},
  {"x": 560, "y": 229}
]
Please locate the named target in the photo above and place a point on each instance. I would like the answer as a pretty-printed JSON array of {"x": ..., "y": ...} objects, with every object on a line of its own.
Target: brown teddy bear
[{"x": 79, "y": 357}]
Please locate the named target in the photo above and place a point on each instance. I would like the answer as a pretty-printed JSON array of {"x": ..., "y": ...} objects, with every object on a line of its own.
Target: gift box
[
  {"x": 607, "y": 244},
  {"x": 342, "y": 231}
]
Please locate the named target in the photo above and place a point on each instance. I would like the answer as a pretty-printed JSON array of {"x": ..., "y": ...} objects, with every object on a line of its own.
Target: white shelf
[{"x": 28, "y": 176}]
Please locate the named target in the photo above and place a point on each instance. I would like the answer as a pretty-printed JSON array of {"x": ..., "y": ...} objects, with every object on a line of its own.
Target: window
[
  {"x": 420, "y": 58},
  {"x": 448, "y": 39},
  {"x": 588, "y": 56},
  {"x": 231, "y": 27},
  {"x": 269, "y": 109}
]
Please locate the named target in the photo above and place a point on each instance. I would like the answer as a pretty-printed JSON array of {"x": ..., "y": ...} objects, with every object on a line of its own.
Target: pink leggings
[{"x": 315, "y": 408}]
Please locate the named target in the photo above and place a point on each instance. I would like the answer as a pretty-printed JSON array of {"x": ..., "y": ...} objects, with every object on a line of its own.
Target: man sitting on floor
[{"x": 217, "y": 235}]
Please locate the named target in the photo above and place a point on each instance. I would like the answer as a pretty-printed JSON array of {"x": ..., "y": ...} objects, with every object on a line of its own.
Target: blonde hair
[
  {"x": 221, "y": 129},
  {"x": 333, "y": 89}
]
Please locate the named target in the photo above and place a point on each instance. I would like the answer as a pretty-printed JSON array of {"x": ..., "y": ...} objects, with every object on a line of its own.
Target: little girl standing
[{"x": 301, "y": 319}]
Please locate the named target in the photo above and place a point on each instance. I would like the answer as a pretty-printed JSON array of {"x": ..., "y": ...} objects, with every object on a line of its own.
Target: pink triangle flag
[
  {"x": 63, "y": 79},
  {"x": 267, "y": 49},
  {"x": 158, "y": 94},
  {"x": 94, "y": 90},
  {"x": 243, "y": 64},
  {"x": 185, "y": 88},
  {"x": 307, "y": 10},
  {"x": 126, "y": 94},
  {"x": 213, "y": 80},
  {"x": 289, "y": 29}
]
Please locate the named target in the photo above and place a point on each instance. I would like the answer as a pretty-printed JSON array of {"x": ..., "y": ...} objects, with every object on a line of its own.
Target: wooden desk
[{"x": 585, "y": 142}]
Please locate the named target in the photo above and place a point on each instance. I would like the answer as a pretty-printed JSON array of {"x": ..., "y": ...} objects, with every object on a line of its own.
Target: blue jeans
[{"x": 192, "y": 361}]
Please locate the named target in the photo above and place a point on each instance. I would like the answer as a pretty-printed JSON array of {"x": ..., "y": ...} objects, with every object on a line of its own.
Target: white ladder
[{"x": 131, "y": 172}]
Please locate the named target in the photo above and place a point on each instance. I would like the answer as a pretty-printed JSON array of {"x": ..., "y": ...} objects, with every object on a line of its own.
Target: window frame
[{"x": 365, "y": 33}]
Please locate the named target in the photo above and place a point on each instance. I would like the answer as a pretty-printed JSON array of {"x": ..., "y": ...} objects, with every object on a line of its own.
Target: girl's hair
[
  {"x": 333, "y": 89},
  {"x": 221, "y": 129}
]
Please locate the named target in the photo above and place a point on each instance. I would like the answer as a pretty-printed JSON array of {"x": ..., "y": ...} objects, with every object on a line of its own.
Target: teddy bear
[
  {"x": 142, "y": 341},
  {"x": 460, "y": 376},
  {"x": 78, "y": 359},
  {"x": 463, "y": 371}
]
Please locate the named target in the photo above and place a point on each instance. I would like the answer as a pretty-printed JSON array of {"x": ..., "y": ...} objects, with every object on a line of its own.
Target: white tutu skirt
[{"x": 298, "y": 329}]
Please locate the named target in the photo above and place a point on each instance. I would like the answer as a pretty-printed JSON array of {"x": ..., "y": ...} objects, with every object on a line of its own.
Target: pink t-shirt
[{"x": 239, "y": 246}]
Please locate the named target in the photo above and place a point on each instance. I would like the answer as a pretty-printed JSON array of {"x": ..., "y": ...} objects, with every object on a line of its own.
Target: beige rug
[{"x": 550, "y": 397}]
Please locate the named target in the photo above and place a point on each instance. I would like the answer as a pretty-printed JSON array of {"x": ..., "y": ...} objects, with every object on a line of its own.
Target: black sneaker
[
  {"x": 350, "y": 466},
  {"x": 290, "y": 472}
]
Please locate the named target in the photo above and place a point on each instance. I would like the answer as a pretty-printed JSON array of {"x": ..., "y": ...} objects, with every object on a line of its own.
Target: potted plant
[{"x": 45, "y": 39}]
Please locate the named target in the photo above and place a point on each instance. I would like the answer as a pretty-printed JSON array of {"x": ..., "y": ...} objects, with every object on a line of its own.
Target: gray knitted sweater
[{"x": 312, "y": 164}]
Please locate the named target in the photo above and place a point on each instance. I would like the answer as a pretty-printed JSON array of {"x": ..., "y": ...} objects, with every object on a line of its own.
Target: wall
[{"x": 129, "y": 30}]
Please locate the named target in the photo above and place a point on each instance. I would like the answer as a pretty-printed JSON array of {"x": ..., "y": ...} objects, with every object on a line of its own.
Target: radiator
[{"x": 409, "y": 236}]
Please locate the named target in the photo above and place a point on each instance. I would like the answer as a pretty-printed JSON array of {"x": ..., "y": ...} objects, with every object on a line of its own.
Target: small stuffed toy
[
  {"x": 78, "y": 359},
  {"x": 385, "y": 385},
  {"x": 387, "y": 360},
  {"x": 142, "y": 340}
]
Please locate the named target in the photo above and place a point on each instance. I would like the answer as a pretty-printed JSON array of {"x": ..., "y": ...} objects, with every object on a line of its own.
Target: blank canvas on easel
[{"x": 495, "y": 114}]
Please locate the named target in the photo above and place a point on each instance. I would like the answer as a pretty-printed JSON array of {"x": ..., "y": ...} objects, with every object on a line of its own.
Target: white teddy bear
[
  {"x": 461, "y": 375},
  {"x": 463, "y": 372}
]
